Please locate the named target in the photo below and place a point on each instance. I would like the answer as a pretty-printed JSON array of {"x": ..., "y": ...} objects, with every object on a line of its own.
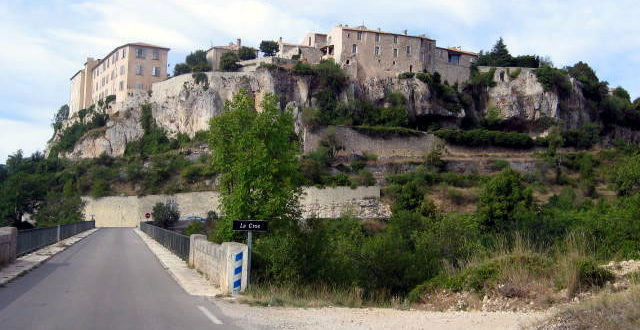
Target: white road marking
[{"x": 209, "y": 315}]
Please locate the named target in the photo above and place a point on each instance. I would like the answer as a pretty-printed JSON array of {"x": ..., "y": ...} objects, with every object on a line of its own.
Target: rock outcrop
[
  {"x": 182, "y": 105},
  {"x": 522, "y": 100}
]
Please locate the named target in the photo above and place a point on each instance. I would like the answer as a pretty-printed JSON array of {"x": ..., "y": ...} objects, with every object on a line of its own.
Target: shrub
[
  {"x": 228, "y": 62},
  {"x": 553, "y": 79},
  {"x": 303, "y": 68},
  {"x": 246, "y": 53},
  {"x": 406, "y": 75},
  {"x": 200, "y": 77},
  {"x": 591, "y": 275},
  {"x": 165, "y": 215},
  {"x": 365, "y": 178},
  {"x": 194, "y": 227},
  {"x": 501, "y": 198},
  {"x": 499, "y": 165},
  {"x": 626, "y": 176},
  {"x": 482, "y": 137},
  {"x": 516, "y": 72}
]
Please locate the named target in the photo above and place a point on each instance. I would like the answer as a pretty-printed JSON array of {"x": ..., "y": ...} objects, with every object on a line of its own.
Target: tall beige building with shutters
[{"x": 127, "y": 68}]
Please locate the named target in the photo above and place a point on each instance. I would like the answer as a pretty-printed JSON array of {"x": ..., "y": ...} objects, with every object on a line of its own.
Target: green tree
[
  {"x": 228, "y": 62},
  {"x": 626, "y": 176},
  {"x": 502, "y": 197},
  {"x": 246, "y": 53},
  {"x": 60, "y": 117},
  {"x": 194, "y": 62},
  {"x": 165, "y": 215},
  {"x": 257, "y": 157},
  {"x": 181, "y": 68},
  {"x": 269, "y": 47}
]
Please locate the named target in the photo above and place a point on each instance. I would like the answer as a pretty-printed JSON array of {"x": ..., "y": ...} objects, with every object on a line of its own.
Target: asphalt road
[{"x": 109, "y": 280}]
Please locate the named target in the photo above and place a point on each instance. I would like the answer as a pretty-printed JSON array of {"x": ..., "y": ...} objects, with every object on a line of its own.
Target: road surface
[{"x": 110, "y": 280}]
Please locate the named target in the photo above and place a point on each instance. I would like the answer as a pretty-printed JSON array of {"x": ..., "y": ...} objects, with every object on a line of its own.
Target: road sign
[
  {"x": 147, "y": 215},
  {"x": 250, "y": 225}
]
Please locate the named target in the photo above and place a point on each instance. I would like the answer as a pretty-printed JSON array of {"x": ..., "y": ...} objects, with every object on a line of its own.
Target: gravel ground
[{"x": 250, "y": 317}]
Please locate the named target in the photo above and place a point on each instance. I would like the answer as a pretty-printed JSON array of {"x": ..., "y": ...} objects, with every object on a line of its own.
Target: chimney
[
  {"x": 404, "y": 31},
  {"x": 280, "y": 40},
  {"x": 239, "y": 43}
]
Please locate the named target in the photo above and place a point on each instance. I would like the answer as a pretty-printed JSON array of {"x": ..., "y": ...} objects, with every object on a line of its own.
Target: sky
[{"x": 44, "y": 43}]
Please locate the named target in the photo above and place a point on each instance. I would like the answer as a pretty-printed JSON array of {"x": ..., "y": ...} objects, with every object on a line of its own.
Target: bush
[
  {"x": 591, "y": 275},
  {"x": 406, "y": 75},
  {"x": 165, "y": 215},
  {"x": 194, "y": 227},
  {"x": 303, "y": 68},
  {"x": 365, "y": 178},
  {"x": 228, "y": 62},
  {"x": 626, "y": 176},
  {"x": 484, "y": 138},
  {"x": 501, "y": 198},
  {"x": 246, "y": 53},
  {"x": 553, "y": 79},
  {"x": 269, "y": 47}
]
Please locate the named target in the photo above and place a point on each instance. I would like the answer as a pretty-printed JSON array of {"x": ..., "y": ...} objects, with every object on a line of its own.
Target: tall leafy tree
[
  {"x": 256, "y": 154},
  {"x": 246, "y": 53},
  {"x": 269, "y": 47}
]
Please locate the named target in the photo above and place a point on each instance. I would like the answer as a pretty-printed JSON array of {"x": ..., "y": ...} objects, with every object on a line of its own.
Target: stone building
[
  {"x": 215, "y": 53},
  {"x": 303, "y": 52},
  {"x": 375, "y": 53},
  {"x": 128, "y": 68},
  {"x": 454, "y": 64}
]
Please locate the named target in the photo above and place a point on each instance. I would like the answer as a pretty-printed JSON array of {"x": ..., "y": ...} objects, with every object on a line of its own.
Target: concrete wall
[
  {"x": 128, "y": 211},
  {"x": 8, "y": 244},
  {"x": 218, "y": 261},
  {"x": 355, "y": 142}
]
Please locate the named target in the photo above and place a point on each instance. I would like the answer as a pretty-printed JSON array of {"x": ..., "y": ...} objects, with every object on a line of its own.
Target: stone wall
[
  {"x": 8, "y": 244},
  {"x": 218, "y": 261},
  {"x": 355, "y": 142},
  {"x": 128, "y": 211}
]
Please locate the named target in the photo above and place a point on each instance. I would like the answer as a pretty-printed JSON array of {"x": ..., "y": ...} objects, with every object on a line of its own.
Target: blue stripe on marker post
[
  {"x": 239, "y": 256},
  {"x": 236, "y": 284},
  {"x": 237, "y": 271}
]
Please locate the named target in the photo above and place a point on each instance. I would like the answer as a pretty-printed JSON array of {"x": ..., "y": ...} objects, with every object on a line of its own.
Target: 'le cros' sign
[{"x": 250, "y": 225}]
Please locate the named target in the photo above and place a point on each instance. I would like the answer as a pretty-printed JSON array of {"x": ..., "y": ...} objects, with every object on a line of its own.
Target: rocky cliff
[
  {"x": 182, "y": 105},
  {"x": 521, "y": 100}
]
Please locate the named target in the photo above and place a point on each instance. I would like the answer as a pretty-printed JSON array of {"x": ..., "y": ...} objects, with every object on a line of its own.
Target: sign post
[{"x": 250, "y": 226}]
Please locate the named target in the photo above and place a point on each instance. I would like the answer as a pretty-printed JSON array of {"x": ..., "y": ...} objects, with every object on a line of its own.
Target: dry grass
[
  {"x": 315, "y": 296},
  {"x": 605, "y": 311}
]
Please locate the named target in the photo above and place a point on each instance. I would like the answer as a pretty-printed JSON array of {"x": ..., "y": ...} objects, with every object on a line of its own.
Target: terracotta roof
[
  {"x": 459, "y": 51},
  {"x": 141, "y": 44},
  {"x": 364, "y": 29}
]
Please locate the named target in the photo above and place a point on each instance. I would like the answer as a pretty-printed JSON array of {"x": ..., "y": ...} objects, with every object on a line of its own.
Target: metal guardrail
[
  {"x": 33, "y": 239},
  {"x": 176, "y": 243}
]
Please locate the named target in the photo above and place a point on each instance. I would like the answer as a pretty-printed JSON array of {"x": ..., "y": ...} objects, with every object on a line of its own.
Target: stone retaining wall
[{"x": 129, "y": 211}]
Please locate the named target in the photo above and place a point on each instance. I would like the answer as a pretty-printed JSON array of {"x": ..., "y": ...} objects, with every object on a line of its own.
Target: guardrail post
[{"x": 58, "y": 233}]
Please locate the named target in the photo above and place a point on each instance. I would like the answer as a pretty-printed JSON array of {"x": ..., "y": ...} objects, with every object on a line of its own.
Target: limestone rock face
[
  {"x": 420, "y": 101},
  {"x": 111, "y": 139},
  {"x": 523, "y": 99}
]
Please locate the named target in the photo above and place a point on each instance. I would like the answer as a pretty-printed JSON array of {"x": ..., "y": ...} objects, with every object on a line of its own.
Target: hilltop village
[{"x": 363, "y": 53}]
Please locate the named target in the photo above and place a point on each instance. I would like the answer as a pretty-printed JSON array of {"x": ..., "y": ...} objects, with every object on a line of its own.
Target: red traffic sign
[{"x": 147, "y": 215}]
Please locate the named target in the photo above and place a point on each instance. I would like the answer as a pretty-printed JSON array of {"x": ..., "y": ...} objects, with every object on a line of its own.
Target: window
[
  {"x": 156, "y": 54},
  {"x": 408, "y": 50},
  {"x": 156, "y": 71},
  {"x": 395, "y": 52},
  {"x": 377, "y": 37},
  {"x": 454, "y": 59},
  {"x": 121, "y": 69},
  {"x": 354, "y": 48},
  {"x": 124, "y": 52},
  {"x": 377, "y": 51},
  {"x": 117, "y": 56},
  {"x": 139, "y": 70},
  {"x": 96, "y": 86},
  {"x": 359, "y": 35},
  {"x": 395, "y": 39},
  {"x": 309, "y": 41},
  {"x": 113, "y": 74},
  {"x": 140, "y": 52},
  {"x": 138, "y": 85},
  {"x": 122, "y": 85},
  {"x": 348, "y": 35}
]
